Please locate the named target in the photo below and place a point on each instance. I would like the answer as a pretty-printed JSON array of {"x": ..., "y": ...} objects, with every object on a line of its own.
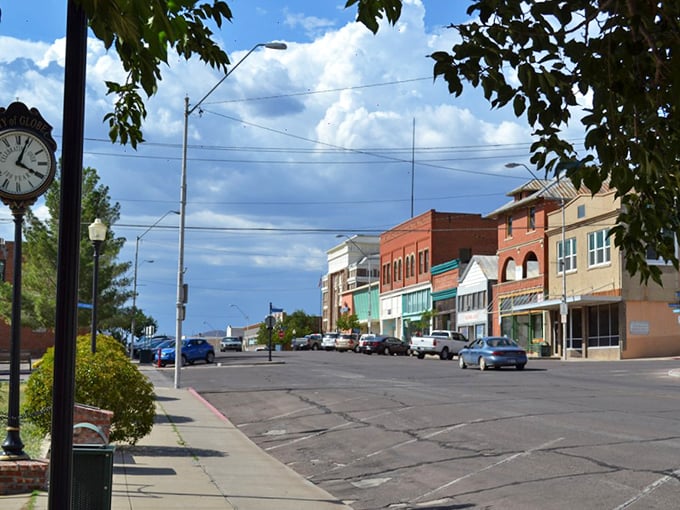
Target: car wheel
[
  {"x": 210, "y": 357},
  {"x": 386, "y": 351},
  {"x": 482, "y": 364},
  {"x": 461, "y": 362},
  {"x": 520, "y": 366},
  {"x": 184, "y": 360},
  {"x": 444, "y": 354},
  {"x": 421, "y": 355},
  {"x": 356, "y": 349},
  {"x": 163, "y": 363}
]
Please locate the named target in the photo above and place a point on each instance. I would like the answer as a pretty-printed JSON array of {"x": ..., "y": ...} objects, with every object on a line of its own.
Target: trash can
[
  {"x": 146, "y": 356},
  {"x": 545, "y": 350},
  {"x": 92, "y": 473}
]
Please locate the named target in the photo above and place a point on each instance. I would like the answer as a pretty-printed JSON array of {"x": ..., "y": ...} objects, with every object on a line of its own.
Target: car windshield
[{"x": 500, "y": 342}]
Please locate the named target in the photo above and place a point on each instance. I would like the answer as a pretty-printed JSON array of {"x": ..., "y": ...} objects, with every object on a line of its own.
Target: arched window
[
  {"x": 509, "y": 273},
  {"x": 531, "y": 268}
]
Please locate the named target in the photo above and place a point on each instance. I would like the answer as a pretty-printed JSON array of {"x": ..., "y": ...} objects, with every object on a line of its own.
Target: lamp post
[
  {"x": 97, "y": 232},
  {"x": 134, "y": 284},
  {"x": 181, "y": 291},
  {"x": 370, "y": 280},
  {"x": 564, "y": 307}
]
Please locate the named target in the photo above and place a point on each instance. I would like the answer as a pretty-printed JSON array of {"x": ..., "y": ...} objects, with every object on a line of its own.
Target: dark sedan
[
  {"x": 493, "y": 351},
  {"x": 382, "y": 344}
]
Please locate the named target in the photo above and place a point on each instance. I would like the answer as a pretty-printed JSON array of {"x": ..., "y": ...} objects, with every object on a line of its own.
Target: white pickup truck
[{"x": 442, "y": 342}]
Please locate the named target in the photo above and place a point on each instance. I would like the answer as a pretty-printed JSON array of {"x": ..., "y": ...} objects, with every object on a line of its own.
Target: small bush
[{"x": 106, "y": 379}]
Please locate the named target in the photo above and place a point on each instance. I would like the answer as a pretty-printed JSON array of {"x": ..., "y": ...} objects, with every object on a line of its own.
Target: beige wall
[
  {"x": 663, "y": 338},
  {"x": 600, "y": 213}
]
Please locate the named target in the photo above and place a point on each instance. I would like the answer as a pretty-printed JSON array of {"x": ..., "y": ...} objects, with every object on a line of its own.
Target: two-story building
[
  {"x": 409, "y": 251},
  {"x": 609, "y": 314},
  {"x": 352, "y": 282},
  {"x": 475, "y": 296},
  {"x": 523, "y": 261}
]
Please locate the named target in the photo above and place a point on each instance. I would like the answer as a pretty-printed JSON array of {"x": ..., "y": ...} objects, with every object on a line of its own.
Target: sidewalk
[{"x": 195, "y": 458}]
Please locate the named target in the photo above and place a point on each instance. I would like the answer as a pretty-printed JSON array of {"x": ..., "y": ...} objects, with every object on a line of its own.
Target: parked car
[
  {"x": 193, "y": 349},
  {"x": 347, "y": 342},
  {"x": 311, "y": 342},
  {"x": 382, "y": 344},
  {"x": 493, "y": 351},
  {"x": 148, "y": 344},
  {"x": 328, "y": 341},
  {"x": 231, "y": 343}
]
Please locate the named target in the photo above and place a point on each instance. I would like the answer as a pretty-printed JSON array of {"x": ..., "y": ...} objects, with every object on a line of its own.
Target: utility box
[{"x": 92, "y": 474}]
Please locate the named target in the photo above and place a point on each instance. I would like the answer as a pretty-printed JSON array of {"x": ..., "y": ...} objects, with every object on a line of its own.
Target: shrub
[{"x": 106, "y": 379}]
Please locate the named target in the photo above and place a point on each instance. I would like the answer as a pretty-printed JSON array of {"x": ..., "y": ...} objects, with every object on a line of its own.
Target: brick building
[{"x": 409, "y": 251}]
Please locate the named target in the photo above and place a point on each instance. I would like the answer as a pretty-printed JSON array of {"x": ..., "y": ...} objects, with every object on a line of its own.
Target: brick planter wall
[{"x": 25, "y": 476}]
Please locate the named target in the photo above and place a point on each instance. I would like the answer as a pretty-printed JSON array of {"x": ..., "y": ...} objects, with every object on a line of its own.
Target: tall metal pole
[
  {"x": 134, "y": 284},
  {"x": 180, "y": 259},
  {"x": 13, "y": 446},
  {"x": 65, "y": 330},
  {"x": 95, "y": 296},
  {"x": 564, "y": 308},
  {"x": 181, "y": 298}
]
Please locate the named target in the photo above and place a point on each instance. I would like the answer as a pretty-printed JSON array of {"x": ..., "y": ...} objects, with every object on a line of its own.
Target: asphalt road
[{"x": 401, "y": 433}]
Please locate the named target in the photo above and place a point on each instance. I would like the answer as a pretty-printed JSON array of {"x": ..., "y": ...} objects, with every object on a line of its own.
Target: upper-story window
[
  {"x": 508, "y": 226},
  {"x": 427, "y": 260},
  {"x": 599, "y": 248},
  {"x": 531, "y": 217},
  {"x": 413, "y": 264},
  {"x": 651, "y": 253},
  {"x": 399, "y": 268},
  {"x": 386, "y": 274},
  {"x": 566, "y": 260}
]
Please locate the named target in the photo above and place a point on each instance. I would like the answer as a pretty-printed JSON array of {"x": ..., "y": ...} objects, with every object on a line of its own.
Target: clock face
[{"x": 26, "y": 164}]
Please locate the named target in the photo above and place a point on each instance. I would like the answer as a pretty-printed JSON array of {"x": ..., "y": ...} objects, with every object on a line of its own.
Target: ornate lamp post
[{"x": 97, "y": 232}]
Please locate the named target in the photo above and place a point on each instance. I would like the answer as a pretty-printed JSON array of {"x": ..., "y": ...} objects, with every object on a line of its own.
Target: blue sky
[{"x": 295, "y": 147}]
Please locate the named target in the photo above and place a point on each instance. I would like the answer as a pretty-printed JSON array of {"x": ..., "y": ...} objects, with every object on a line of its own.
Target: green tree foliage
[
  {"x": 292, "y": 325},
  {"x": 348, "y": 322},
  {"x": 620, "y": 59},
  {"x": 39, "y": 281},
  {"x": 106, "y": 380}
]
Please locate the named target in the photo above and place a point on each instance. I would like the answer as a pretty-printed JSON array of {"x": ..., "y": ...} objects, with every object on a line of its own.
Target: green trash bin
[
  {"x": 92, "y": 474},
  {"x": 146, "y": 356}
]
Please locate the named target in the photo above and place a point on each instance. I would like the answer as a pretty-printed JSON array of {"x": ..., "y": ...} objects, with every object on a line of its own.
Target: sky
[{"x": 337, "y": 135}]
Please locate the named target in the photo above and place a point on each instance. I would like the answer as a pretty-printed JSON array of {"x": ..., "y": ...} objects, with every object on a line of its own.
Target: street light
[
  {"x": 97, "y": 232},
  {"x": 134, "y": 285},
  {"x": 564, "y": 307},
  {"x": 181, "y": 291},
  {"x": 370, "y": 279}
]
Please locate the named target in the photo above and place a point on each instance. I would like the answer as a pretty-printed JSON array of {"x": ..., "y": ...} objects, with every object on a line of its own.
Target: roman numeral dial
[{"x": 27, "y": 164}]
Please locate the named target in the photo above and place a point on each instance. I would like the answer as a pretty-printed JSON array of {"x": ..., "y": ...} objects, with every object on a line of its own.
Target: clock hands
[
  {"x": 34, "y": 172},
  {"x": 19, "y": 162},
  {"x": 21, "y": 154}
]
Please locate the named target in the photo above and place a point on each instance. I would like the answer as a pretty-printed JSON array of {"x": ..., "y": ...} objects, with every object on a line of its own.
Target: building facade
[
  {"x": 475, "y": 297},
  {"x": 409, "y": 251},
  {"x": 351, "y": 284},
  {"x": 523, "y": 262}
]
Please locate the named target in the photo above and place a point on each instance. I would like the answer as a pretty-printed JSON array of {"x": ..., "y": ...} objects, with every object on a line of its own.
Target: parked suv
[
  {"x": 328, "y": 341},
  {"x": 347, "y": 342},
  {"x": 193, "y": 349},
  {"x": 231, "y": 343}
]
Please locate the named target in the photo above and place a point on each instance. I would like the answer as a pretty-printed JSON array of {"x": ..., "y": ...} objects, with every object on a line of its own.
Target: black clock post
[{"x": 27, "y": 167}]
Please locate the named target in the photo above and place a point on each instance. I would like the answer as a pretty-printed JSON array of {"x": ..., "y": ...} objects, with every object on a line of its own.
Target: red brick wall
[
  {"x": 444, "y": 234},
  {"x": 445, "y": 281}
]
